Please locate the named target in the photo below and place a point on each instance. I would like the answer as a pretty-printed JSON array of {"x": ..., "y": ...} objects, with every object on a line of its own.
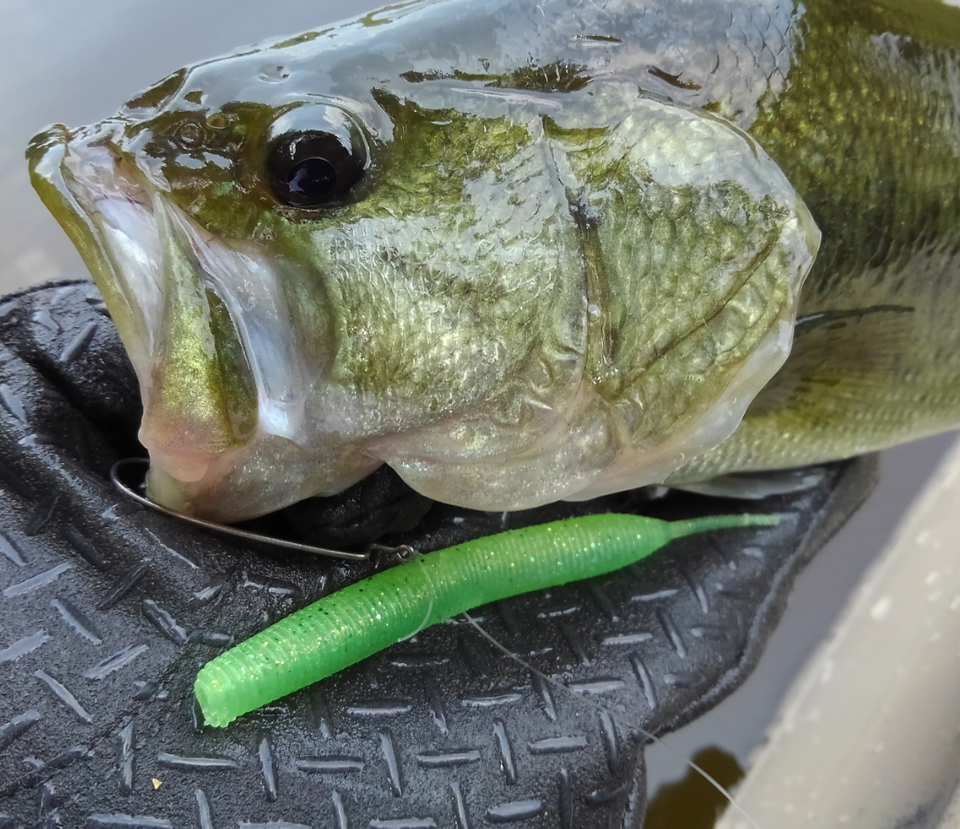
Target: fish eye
[
  {"x": 314, "y": 154},
  {"x": 311, "y": 169}
]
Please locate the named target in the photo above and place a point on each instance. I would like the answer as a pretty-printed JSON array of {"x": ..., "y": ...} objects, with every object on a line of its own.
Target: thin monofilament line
[
  {"x": 426, "y": 618},
  {"x": 649, "y": 735},
  {"x": 423, "y": 625}
]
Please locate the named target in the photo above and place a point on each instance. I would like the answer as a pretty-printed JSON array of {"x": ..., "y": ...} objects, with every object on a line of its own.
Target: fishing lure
[{"x": 358, "y": 621}]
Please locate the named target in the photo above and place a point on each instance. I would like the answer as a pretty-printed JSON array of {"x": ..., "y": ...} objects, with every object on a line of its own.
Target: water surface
[{"x": 76, "y": 62}]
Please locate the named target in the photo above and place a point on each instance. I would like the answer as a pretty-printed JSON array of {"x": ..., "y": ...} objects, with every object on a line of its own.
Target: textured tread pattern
[{"x": 107, "y": 611}]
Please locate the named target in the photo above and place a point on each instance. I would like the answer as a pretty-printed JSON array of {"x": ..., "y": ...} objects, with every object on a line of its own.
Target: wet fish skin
[
  {"x": 867, "y": 132},
  {"x": 495, "y": 308}
]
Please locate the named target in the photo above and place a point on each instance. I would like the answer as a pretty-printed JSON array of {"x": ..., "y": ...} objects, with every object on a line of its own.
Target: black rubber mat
[{"x": 107, "y": 611}]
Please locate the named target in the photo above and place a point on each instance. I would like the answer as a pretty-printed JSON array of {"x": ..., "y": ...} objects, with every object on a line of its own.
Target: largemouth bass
[{"x": 523, "y": 251}]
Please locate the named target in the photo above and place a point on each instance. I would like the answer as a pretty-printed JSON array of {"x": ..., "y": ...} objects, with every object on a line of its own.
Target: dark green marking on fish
[
  {"x": 866, "y": 130},
  {"x": 364, "y": 618}
]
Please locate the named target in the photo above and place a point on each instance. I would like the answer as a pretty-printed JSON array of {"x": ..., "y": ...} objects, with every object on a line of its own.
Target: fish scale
[
  {"x": 867, "y": 132},
  {"x": 564, "y": 248}
]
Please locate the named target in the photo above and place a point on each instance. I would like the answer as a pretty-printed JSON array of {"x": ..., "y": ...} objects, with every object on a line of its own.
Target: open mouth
[
  {"x": 109, "y": 192},
  {"x": 204, "y": 322}
]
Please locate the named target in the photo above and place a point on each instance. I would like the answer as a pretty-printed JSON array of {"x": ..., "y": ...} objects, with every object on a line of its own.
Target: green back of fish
[{"x": 867, "y": 129}]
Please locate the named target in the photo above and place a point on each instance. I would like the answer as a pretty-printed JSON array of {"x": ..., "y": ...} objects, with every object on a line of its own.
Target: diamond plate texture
[{"x": 108, "y": 610}]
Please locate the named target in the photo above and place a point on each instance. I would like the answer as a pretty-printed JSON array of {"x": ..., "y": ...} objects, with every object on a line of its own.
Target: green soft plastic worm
[{"x": 370, "y": 615}]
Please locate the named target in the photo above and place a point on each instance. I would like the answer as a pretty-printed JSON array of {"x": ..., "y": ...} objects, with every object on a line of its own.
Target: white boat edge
[{"x": 869, "y": 733}]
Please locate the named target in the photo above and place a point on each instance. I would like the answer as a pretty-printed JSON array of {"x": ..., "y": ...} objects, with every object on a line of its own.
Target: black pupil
[
  {"x": 312, "y": 169},
  {"x": 314, "y": 179}
]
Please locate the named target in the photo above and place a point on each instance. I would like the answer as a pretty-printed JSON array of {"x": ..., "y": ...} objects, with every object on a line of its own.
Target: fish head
[
  {"x": 177, "y": 216},
  {"x": 293, "y": 274},
  {"x": 310, "y": 284}
]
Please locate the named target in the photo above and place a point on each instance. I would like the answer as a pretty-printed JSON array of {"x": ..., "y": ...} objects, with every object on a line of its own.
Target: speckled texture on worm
[{"x": 370, "y": 615}]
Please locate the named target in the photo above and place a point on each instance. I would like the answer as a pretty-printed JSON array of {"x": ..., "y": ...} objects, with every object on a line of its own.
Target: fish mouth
[
  {"x": 53, "y": 170},
  {"x": 203, "y": 321}
]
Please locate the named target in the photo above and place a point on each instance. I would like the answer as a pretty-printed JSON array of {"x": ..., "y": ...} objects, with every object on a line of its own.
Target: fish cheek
[
  {"x": 456, "y": 276},
  {"x": 238, "y": 388}
]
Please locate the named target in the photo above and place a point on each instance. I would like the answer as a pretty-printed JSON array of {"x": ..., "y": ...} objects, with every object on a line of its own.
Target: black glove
[{"x": 108, "y": 610}]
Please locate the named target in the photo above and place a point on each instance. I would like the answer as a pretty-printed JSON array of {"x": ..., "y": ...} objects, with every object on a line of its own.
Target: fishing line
[
  {"x": 423, "y": 624},
  {"x": 617, "y": 716},
  {"x": 117, "y": 473}
]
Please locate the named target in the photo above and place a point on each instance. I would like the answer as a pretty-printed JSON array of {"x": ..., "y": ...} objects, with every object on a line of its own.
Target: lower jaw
[
  {"x": 257, "y": 478},
  {"x": 194, "y": 484},
  {"x": 168, "y": 489},
  {"x": 186, "y": 469}
]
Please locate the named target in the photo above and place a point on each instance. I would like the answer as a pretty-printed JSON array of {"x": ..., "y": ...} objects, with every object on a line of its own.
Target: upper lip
[
  {"x": 53, "y": 164},
  {"x": 110, "y": 192}
]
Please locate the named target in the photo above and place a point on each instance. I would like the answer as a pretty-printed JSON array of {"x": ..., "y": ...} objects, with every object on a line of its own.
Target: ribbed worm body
[{"x": 370, "y": 615}]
